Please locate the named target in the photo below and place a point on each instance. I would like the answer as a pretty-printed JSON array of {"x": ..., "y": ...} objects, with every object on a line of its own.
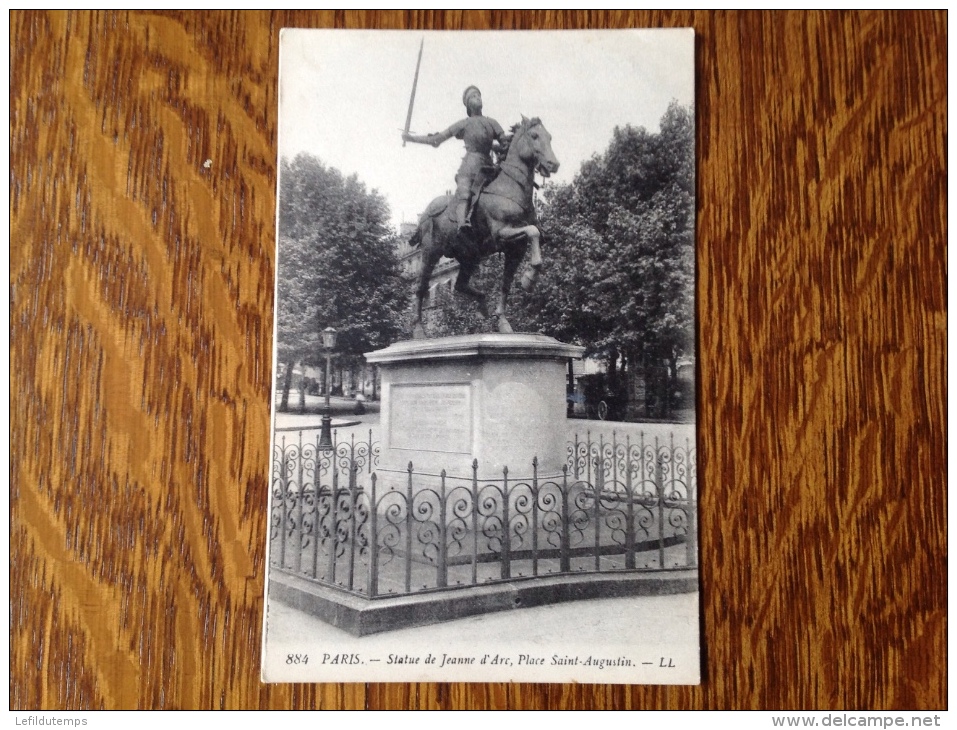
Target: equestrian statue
[{"x": 491, "y": 211}]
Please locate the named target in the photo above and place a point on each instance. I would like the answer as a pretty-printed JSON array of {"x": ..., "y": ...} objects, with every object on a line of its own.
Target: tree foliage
[
  {"x": 449, "y": 313},
  {"x": 619, "y": 275},
  {"x": 337, "y": 264}
]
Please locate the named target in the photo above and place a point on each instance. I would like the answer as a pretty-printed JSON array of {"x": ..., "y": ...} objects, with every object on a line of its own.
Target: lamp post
[{"x": 328, "y": 342}]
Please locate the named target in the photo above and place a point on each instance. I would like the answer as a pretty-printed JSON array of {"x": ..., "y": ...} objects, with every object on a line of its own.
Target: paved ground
[
  {"x": 342, "y": 410},
  {"x": 344, "y": 417},
  {"x": 650, "y": 631},
  {"x": 346, "y": 422},
  {"x": 587, "y": 621}
]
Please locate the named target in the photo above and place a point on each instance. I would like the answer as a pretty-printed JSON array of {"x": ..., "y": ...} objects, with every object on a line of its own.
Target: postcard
[{"x": 484, "y": 462}]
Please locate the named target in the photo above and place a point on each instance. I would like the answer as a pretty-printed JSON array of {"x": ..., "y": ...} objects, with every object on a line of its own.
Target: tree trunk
[
  {"x": 648, "y": 375},
  {"x": 375, "y": 373},
  {"x": 672, "y": 384},
  {"x": 625, "y": 386},
  {"x": 286, "y": 385},
  {"x": 570, "y": 389},
  {"x": 302, "y": 393}
]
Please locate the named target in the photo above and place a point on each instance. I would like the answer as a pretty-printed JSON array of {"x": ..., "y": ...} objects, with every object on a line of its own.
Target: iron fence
[
  {"x": 616, "y": 506},
  {"x": 626, "y": 463}
]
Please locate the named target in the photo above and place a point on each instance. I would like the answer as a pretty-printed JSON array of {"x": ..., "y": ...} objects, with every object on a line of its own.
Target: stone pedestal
[{"x": 496, "y": 398}]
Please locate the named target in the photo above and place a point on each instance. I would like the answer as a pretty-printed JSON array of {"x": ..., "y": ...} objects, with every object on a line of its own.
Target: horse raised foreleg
[{"x": 535, "y": 261}]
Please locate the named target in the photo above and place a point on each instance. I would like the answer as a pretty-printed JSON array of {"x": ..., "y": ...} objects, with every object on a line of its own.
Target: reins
[{"x": 518, "y": 173}]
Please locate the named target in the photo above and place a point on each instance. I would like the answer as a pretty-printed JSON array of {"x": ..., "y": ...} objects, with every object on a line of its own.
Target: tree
[
  {"x": 337, "y": 266},
  {"x": 619, "y": 275},
  {"x": 449, "y": 313}
]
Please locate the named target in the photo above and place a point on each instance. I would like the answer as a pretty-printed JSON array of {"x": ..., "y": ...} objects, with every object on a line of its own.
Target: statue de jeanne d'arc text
[{"x": 491, "y": 211}]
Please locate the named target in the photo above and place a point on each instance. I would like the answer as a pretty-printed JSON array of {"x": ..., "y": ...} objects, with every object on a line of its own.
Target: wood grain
[{"x": 141, "y": 312}]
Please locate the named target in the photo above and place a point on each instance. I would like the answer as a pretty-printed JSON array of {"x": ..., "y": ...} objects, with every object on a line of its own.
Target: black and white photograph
[{"x": 484, "y": 461}]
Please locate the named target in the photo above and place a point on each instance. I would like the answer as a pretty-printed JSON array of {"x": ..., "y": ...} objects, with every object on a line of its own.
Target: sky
[{"x": 344, "y": 96}]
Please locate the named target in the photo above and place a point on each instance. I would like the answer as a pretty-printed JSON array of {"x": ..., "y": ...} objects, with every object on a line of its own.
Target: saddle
[{"x": 439, "y": 206}]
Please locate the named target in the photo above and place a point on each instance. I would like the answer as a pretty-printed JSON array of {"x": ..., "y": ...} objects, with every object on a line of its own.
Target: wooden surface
[{"x": 141, "y": 313}]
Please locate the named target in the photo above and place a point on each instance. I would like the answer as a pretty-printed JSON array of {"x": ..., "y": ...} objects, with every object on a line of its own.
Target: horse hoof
[
  {"x": 528, "y": 279},
  {"x": 504, "y": 327}
]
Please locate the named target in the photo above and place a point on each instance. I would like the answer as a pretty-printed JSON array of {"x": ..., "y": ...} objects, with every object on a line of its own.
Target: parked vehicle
[{"x": 600, "y": 398}]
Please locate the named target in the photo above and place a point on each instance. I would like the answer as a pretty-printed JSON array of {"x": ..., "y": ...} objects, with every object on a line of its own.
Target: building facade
[{"x": 410, "y": 260}]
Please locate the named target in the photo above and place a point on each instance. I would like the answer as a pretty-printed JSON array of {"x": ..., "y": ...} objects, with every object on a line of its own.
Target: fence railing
[
  {"x": 627, "y": 507},
  {"x": 300, "y": 463},
  {"x": 641, "y": 462}
]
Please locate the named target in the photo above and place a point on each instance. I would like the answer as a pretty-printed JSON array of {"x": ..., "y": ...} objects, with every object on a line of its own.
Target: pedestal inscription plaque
[{"x": 427, "y": 417}]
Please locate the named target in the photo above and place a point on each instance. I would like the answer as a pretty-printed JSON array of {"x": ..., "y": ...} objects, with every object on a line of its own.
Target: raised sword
[{"x": 415, "y": 81}]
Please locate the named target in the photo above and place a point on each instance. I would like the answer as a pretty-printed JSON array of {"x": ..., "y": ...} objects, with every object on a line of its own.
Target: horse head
[{"x": 532, "y": 144}]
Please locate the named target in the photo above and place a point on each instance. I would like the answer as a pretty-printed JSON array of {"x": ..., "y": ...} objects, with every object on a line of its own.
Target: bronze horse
[{"x": 503, "y": 220}]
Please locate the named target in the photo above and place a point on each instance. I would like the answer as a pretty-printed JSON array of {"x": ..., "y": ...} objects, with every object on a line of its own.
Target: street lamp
[{"x": 328, "y": 342}]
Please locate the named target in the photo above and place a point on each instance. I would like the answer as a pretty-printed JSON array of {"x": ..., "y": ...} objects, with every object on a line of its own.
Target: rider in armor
[{"x": 481, "y": 135}]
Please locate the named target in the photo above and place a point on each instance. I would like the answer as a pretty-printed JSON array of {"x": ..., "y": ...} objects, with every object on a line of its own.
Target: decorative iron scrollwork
[{"x": 620, "y": 504}]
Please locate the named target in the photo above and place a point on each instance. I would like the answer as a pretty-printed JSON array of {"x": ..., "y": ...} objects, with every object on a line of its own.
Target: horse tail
[
  {"x": 424, "y": 228},
  {"x": 422, "y": 231}
]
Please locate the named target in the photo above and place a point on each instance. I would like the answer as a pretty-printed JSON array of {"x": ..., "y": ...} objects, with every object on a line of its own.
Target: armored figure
[{"x": 481, "y": 135}]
